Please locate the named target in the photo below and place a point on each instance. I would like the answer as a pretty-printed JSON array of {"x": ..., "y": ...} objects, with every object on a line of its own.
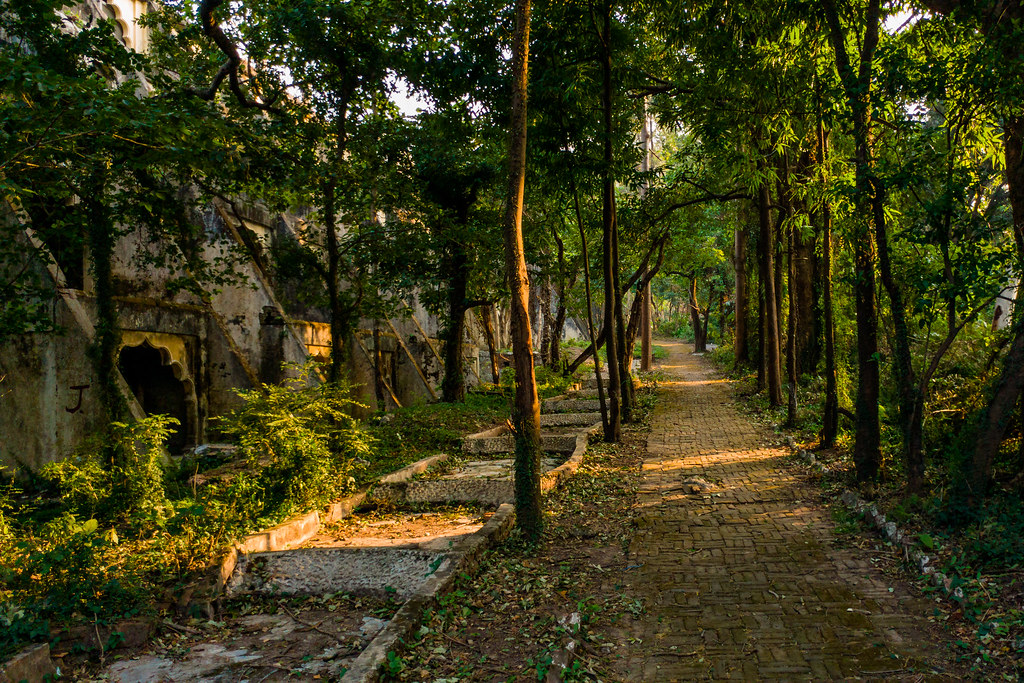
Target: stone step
[
  {"x": 476, "y": 481},
  {"x": 569, "y": 405},
  {"x": 505, "y": 443},
  {"x": 569, "y": 419},
  {"x": 586, "y": 393},
  {"x": 590, "y": 382}
]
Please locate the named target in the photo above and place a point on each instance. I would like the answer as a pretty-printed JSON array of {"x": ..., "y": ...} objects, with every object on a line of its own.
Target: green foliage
[
  {"x": 301, "y": 445},
  {"x": 552, "y": 382},
  {"x": 988, "y": 536},
  {"x": 117, "y": 476},
  {"x": 70, "y": 571},
  {"x": 414, "y": 432},
  {"x": 675, "y": 326},
  {"x": 657, "y": 352},
  {"x": 846, "y": 523},
  {"x": 5, "y": 505}
]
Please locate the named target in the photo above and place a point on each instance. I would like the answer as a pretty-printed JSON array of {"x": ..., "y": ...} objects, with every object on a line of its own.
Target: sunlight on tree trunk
[{"x": 526, "y": 410}]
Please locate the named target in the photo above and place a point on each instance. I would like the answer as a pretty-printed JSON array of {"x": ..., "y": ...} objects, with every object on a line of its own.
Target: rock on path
[{"x": 739, "y": 576}]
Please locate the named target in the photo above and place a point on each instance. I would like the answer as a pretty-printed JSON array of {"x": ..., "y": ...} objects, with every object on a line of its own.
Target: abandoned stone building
[{"x": 184, "y": 352}]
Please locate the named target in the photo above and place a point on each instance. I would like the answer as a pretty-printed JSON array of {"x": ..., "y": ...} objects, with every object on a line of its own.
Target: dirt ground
[
  {"x": 509, "y": 621},
  {"x": 254, "y": 640},
  {"x": 400, "y": 528}
]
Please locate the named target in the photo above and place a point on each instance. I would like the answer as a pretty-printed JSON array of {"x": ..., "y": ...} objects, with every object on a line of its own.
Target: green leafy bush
[
  {"x": 70, "y": 571},
  {"x": 117, "y": 476},
  {"x": 417, "y": 431},
  {"x": 677, "y": 326},
  {"x": 988, "y": 534},
  {"x": 5, "y": 526},
  {"x": 301, "y": 446}
]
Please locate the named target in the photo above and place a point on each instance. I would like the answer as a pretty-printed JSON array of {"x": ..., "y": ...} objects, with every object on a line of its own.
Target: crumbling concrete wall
[{"x": 47, "y": 394}]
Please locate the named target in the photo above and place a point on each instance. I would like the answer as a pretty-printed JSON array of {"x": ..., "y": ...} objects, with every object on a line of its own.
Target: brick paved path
[{"x": 743, "y": 581}]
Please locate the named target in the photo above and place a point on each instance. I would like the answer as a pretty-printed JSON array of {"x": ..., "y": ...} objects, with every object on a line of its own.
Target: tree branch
[{"x": 228, "y": 70}]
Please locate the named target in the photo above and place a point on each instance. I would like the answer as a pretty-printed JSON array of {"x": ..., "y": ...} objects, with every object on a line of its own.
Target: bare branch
[{"x": 228, "y": 70}]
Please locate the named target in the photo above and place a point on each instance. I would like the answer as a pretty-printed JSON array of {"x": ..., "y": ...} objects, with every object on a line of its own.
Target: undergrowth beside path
[
  {"x": 979, "y": 549},
  {"x": 88, "y": 544},
  {"x": 511, "y": 619}
]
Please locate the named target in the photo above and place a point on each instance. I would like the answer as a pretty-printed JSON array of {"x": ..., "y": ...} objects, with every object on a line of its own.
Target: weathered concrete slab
[
  {"x": 590, "y": 382},
  {"x": 205, "y": 662},
  {"x": 290, "y": 533},
  {"x": 569, "y": 405},
  {"x": 478, "y": 481},
  {"x": 31, "y": 665},
  {"x": 322, "y": 571},
  {"x": 569, "y": 419},
  {"x": 366, "y": 667},
  {"x": 549, "y": 443}
]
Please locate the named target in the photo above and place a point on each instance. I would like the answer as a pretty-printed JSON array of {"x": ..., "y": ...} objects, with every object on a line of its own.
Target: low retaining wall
[
  {"x": 290, "y": 533},
  {"x": 323, "y": 571},
  {"x": 888, "y": 530},
  {"x": 31, "y": 665},
  {"x": 465, "y": 559},
  {"x": 486, "y": 491}
]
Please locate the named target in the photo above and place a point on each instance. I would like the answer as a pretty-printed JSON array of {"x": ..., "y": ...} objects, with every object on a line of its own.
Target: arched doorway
[{"x": 157, "y": 389}]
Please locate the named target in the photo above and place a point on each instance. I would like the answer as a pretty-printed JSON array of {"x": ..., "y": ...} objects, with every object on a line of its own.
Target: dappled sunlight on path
[{"x": 737, "y": 565}]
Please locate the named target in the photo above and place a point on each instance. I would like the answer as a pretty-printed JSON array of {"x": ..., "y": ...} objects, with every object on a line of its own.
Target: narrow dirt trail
[{"x": 742, "y": 579}]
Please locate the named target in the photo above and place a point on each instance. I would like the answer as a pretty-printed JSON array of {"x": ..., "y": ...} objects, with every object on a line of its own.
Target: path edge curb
[
  {"x": 293, "y": 531},
  {"x": 888, "y": 530},
  {"x": 366, "y": 667}
]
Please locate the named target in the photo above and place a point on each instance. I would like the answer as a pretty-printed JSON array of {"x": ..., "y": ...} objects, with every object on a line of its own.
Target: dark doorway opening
[{"x": 156, "y": 388}]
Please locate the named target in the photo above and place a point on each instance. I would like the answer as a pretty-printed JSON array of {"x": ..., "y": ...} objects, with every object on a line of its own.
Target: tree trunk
[
  {"x": 762, "y": 324},
  {"x": 699, "y": 340},
  {"x": 1011, "y": 379},
  {"x": 706, "y": 322},
  {"x": 101, "y": 236},
  {"x": 453, "y": 387},
  {"x": 526, "y": 409},
  {"x": 721, "y": 317},
  {"x": 625, "y": 349},
  {"x": 791, "y": 332},
  {"x": 613, "y": 431},
  {"x": 561, "y": 310},
  {"x": 781, "y": 248},
  {"x": 486, "y": 315},
  {"x": 657, "y": 245},
  {"x": 590, "y": 305},
  {"x": 789, "y": 237},
  {"x": 770, "y": 329},
  {"x": 334, "y": 286},
  {"x": 741, "y": 346},
  {"x": 805, "y": 266},
  {"x": 378, "y": 369},
  {"x": 646, "y": 351},
  {"x": 857, "y": 86},
  {"x": 555, "y": 354},
  {"x": 906, "y": 385},
  {"x": 830, "y": 418},
  {"x": 546, "y": 322}
]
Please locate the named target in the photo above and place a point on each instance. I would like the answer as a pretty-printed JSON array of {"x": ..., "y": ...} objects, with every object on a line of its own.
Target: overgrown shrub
[
  {"x": 987, "y": 535},
  {"x": 117, "y": 476},
  {"x": 71, "y": 571},
  {"x": 301, "y": 445},
  {"x": 677, "y": 326},
  {"x": 549, "y": 382},
  {"x": 5, "y": 526}
]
